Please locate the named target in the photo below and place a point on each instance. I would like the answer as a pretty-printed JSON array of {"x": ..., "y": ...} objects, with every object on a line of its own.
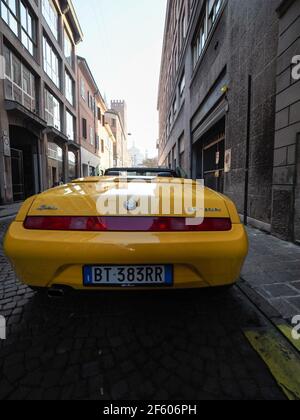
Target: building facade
[
  {"x": 38, "y": 143},
  {"x": 116, "y": 117},
  {"x": 96, "y": 138},
  {"x": 221, "y": 83}
]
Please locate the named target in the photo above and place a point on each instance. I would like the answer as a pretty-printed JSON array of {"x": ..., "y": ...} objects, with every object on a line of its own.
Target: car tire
[{"x": 40, "y": 291}]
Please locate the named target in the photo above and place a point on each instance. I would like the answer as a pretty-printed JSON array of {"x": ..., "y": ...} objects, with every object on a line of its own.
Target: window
[
  {"x": 82, "y": 89},
  {"x": 210, "y": 14},
  {"x": 9, "y": 14},
  {"x": 169, "y": 123},
  {"x": 174, "y": 106},
  {"x": 51, "y": 16},
  {"x": 182, "y": 85},
  {"x": 69, "y": 88},
  {"x": 199, "y": 42},
  {"x": 183, "y": 29},
  {"x": 84, "y": 128},
  {"x": 27, "y": 30},
  {"x": 72, "y": 165},
  {"x": 70, "y": 126},
  {"x": 51, "y": 63},
  {"x": 99, "y": 114},
  {"x": 19, "y": 81},
  {"x": 68, "y": 48},
  {"x": 52, "y": 110},
  {"x": 213, "y": 10},
  {"x": 91, "y": 102},
  {"x": 97, "y": 143},
  {"x": 102, "y": 146},
  {"x": 92, "y": 136}
]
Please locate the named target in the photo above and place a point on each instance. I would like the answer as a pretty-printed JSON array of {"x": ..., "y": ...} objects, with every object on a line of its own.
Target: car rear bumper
[{"x": 206, "y": 259}]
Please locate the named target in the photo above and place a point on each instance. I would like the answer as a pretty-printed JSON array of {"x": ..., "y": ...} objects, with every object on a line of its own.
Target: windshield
[{"x": 158, "y": 172}]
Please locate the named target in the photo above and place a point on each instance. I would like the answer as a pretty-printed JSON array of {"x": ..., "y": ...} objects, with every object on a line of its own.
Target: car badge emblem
[
  {"x": 130, "y": 204},
  {"x": 47, "y": 208}
]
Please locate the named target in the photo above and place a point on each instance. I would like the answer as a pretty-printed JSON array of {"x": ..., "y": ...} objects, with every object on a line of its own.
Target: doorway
[
  {"x": 54, "y": 176},
  {"x": 25, "y": 167},
  {"x": 213, "y": 165},
  {"x": 17, "y": 173},
  {"x": 209, "y": 157}
]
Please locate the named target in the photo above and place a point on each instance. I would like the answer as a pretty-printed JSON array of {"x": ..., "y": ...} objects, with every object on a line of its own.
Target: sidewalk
[
  {"x": 9, "y": 210},
  {"x": 272, "y": 269}
]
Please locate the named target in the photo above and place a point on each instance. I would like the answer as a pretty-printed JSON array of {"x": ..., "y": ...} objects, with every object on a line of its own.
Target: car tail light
[{"x": 125, "y": 224}]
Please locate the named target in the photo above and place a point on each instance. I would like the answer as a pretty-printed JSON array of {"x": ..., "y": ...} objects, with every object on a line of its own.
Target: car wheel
[{"x": 40, "y": 291}]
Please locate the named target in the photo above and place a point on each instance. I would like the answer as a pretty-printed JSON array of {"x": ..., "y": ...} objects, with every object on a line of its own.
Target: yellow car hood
[{"x": 82, "y": 198}]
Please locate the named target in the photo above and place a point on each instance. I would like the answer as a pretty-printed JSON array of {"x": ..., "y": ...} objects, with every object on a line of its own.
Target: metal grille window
[
  {"x": 69, "y": 88},
  {"x": 27, "y": 28},
  {"x": 51, "y": 16},
  {"x": 9, "y": 14},
  {"x": 52, "y": 110},
  {"x": 70, "y": 126},
  {"x": 51, "y": 63},
  {"x": 19, "y": 82}
]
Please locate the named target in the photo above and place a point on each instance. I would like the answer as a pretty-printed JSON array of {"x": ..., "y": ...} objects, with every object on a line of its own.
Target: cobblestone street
[{"x": 182, "y": 345}]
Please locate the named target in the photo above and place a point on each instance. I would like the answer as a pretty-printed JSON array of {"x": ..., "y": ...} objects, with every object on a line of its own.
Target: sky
[{"x": 122, "y": 44}]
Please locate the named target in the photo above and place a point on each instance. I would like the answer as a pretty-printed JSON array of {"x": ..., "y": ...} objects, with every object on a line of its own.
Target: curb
[{"x": 276, "y": 319}]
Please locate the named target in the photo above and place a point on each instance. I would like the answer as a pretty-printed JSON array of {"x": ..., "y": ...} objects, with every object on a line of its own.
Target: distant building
[
  {"x": 38, "y": 110},
  {"x": 225, "y": 86},
  {"x": 121, "y": 108},
  {"x": 136, "y": 156}
]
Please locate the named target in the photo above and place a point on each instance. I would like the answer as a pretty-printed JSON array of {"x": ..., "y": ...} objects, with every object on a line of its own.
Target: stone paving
[
  {"x": 129, "y": 346},
  {"x": 273, "y": 270},
  {"x": 9, "y": 210}
]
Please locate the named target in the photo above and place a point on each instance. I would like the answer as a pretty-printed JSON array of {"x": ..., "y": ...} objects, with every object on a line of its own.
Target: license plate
[{"x": 126, "y": 276}]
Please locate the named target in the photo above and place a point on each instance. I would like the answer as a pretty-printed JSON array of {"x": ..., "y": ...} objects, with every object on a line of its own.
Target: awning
[{"x": 216, "y": 115}]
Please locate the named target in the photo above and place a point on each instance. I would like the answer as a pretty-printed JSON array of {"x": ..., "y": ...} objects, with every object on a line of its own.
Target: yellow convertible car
[{"x": 136, "y": 229}]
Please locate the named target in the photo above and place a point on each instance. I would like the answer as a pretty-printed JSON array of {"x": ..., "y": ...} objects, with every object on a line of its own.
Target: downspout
[{"x": 247, "y": 164}]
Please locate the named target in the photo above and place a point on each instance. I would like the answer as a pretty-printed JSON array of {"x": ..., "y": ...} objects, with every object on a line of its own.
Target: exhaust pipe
[{"x": 56, "y": 293}]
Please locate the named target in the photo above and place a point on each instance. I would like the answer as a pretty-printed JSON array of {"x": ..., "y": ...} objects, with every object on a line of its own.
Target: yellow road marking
[
  {"x": 282, "y": 362},
  {"x": 287, "y": 331}
]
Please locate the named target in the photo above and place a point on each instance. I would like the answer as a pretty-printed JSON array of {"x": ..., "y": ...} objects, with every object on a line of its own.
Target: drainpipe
[{"x": 246, "y": 202}]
